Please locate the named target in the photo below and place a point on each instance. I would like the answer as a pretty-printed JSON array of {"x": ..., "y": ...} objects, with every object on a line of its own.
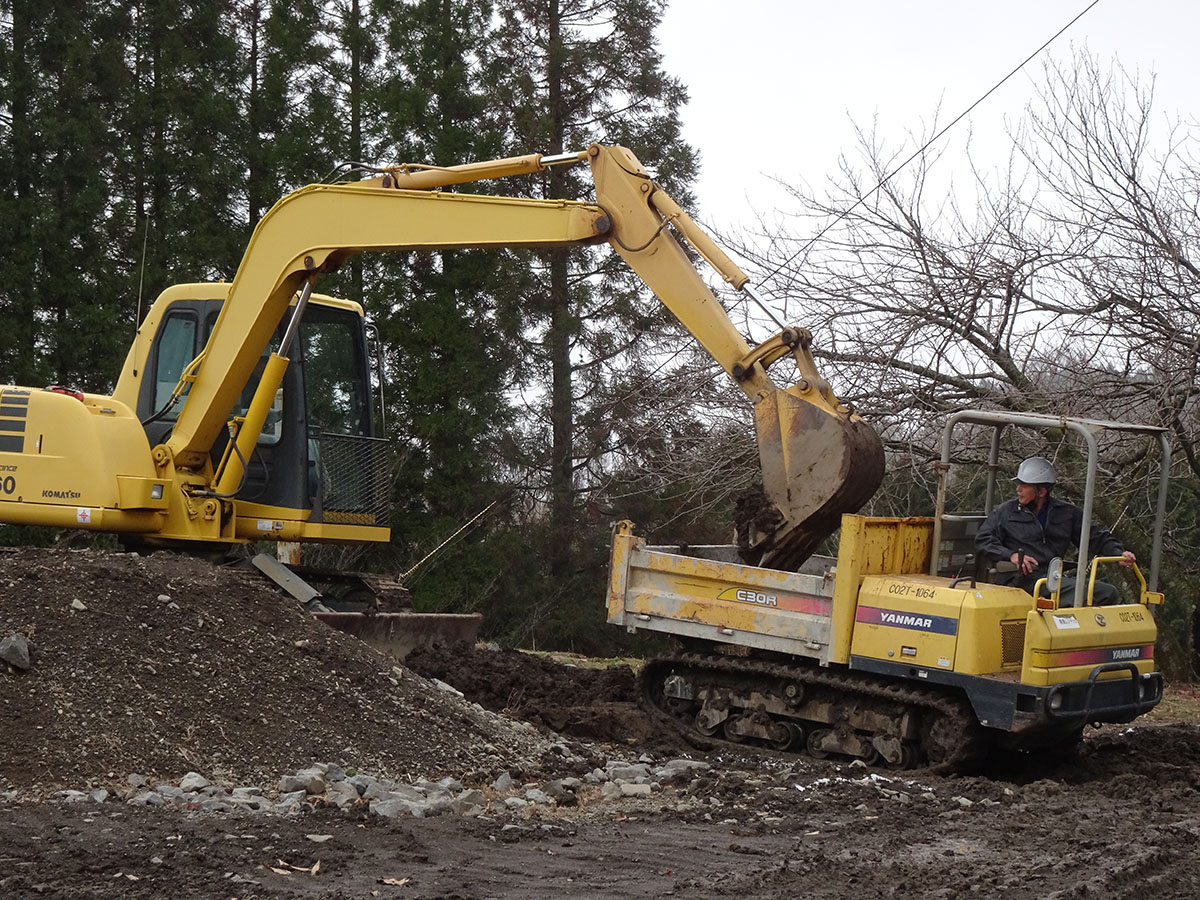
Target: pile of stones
[{"x": 331, "y": 786}]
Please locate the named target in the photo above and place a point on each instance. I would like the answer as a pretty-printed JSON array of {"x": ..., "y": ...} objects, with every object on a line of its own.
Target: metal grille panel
[
  {"x": 1012, "y": 642},
  {"x": 355, "y": 477}
]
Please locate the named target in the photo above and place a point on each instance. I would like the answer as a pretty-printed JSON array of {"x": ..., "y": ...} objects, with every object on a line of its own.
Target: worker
[{"x": 1036, "y": 527}]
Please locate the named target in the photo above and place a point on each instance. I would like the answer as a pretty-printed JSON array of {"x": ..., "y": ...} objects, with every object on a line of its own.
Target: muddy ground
[{"x": 172, "y": 666}]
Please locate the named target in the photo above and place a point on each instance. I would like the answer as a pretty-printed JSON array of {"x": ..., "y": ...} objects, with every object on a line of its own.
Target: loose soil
[{"x": 173, "y": 665}]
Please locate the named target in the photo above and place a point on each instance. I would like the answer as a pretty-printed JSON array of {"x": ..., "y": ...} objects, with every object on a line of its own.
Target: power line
[{"x": 861, "y": 200}]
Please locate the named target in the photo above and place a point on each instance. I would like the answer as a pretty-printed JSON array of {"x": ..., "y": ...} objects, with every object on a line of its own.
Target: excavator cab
[{"x": 317, "y": 456}]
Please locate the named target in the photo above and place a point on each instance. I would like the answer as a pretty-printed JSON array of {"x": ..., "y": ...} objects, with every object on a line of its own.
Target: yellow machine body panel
[
  {"x": 1067, "y": 644},
  {"x": 872, "y": 546},
  {"x": 260, "y": 522},
  {"x": 992, "y": 630},
  {"x": 77, "y": 463},
  {"x": 912, "y": 618},
  {"x": 719, "y": 601}
]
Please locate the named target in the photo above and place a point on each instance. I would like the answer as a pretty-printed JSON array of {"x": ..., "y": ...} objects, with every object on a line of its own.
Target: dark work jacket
[{"x": 1012, "y": 527}]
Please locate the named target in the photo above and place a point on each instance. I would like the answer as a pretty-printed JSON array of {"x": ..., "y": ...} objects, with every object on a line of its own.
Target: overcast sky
[{"x": 775, "y": 84}]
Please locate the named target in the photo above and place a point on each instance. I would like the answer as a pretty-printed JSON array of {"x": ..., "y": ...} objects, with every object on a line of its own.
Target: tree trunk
[
  {"x": 23, "y": 297},
  {"x": 562, "y": 411}
]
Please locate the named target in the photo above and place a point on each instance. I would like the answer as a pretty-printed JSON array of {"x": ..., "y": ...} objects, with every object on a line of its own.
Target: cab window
[
  {"x": 272, "y": 429},
  {"x": 176, "y": 348},
  {"x": 334, "y": 372}
]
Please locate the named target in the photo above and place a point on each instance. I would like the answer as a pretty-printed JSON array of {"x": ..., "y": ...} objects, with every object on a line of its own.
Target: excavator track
[{"x": 720, "y": 700}]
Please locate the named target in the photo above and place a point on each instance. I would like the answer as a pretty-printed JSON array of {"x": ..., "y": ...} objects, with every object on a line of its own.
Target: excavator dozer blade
[
  {"x": 356, "y": 601},
  {"x": 398, "y": 634},
  {"x": 816, "y": 465}
]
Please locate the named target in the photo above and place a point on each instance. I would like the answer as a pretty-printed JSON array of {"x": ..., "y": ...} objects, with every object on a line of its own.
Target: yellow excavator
[{"x": 243, "y": 410}]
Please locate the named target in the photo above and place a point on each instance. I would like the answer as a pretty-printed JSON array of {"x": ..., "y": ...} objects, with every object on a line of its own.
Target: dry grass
[{"x": 1180, "y": 703}]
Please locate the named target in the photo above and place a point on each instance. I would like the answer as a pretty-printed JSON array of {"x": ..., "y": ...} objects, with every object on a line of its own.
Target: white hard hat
[{"x": 1036, "y": 470}]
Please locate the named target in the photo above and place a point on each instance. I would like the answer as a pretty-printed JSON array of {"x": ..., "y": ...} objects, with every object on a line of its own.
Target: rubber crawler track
[{"x": 967, "y": 736}]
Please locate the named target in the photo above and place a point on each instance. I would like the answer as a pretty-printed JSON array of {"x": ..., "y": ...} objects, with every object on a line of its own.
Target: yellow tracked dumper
[{"x": 899, "y": 651}]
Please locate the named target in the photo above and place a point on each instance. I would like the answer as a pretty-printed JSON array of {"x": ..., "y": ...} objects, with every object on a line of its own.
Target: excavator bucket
[{"x": 817, "y": 463}]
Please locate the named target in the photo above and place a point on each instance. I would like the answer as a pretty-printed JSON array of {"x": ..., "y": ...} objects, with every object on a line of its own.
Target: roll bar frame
[{"x": 1088, "y": 429}]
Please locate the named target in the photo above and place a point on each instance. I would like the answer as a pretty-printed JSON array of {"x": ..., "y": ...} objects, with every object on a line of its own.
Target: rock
[
  {"x": 170, "y": 791},
  {"x": 136, "y": 780},
  {"x": 376, "y": 790},
  {"x": 309, "y": 780},
  {"x": 451, "y": 784},
  {"x": 69, "y": 796},
  {"x": 78, "y": 604},
  {"x": 14, "y": 650},
  {"x": 290, "y": 784},
  {"x": 504, "y": 782},
  {"x": 193, "y": 781},
  {"x": 164, "y": 598},
  {"x": 687, "y": 766},
  {"x": 315, "y": 781},
  {"x": 342, "y": 794},
  {"x": 446, "y": 688},
  {"x": 635, "y": 790},
  {"x": 470, "y": 803},
  {"x": 292, "y": 800},
  {"x": 562, "y": 791},
  {"x": 541, "y": 798},
  {"x": 404, "y": 791},
  {"x": 610, "y": 790},
  {"x": 148, "y": 798},
  {"x": 632, "y": 773},
  {"x": 334, "y": 773},
  {"x": 397, "y": 806},
  {"x": 99, "y": 795},
  {"x": 439, "y": 804}
]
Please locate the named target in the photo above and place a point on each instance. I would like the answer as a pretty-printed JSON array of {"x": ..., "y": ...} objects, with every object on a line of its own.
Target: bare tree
[
  {"x": 1127, "y": 205},
  {"x": 1068, "y": 281}
]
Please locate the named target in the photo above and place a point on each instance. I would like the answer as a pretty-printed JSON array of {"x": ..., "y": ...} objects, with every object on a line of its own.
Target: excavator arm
[{"x": 818, "y": 460}]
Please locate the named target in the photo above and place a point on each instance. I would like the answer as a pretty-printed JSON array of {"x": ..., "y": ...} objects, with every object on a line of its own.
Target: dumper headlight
[{"x": 1056, "y": 702}]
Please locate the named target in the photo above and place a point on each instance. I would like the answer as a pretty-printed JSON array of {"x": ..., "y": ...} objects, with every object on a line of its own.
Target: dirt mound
[
  {"x": 598, "y": 704},
  {"x": 162, "y": 664}
]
